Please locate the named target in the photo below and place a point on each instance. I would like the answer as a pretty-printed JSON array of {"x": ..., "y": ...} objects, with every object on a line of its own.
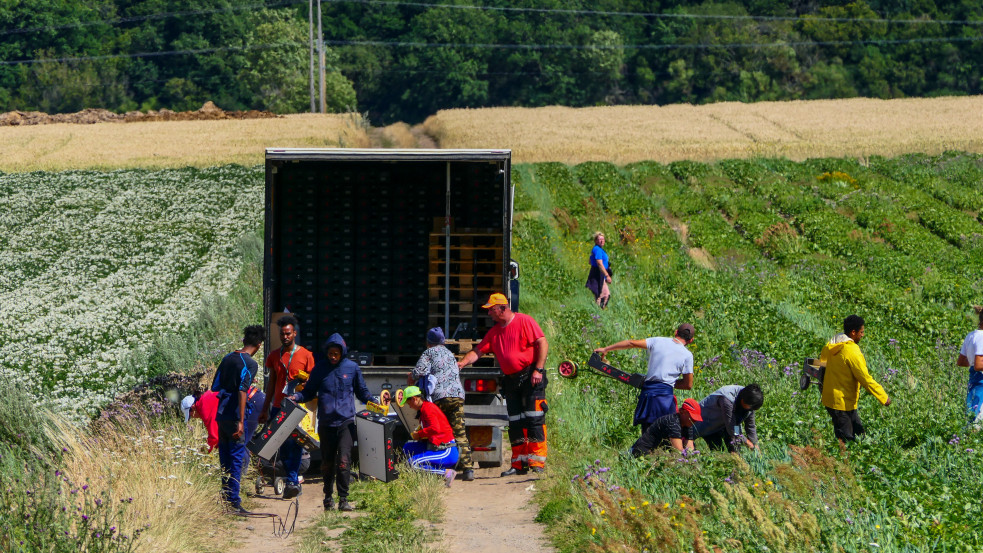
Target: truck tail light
[
  {"x": 488, "y": 385},
  {"x": 480, "y": 438}
]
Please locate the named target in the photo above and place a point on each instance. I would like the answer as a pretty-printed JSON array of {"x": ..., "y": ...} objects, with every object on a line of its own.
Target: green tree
[
  {"x": 277, "y": 76},
  {"x": 61, "y": 87},
  {"x": 604, "y": 60}
]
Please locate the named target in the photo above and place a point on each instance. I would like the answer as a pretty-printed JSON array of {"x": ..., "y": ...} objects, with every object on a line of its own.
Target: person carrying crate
[{"x": 289, "y": 367}]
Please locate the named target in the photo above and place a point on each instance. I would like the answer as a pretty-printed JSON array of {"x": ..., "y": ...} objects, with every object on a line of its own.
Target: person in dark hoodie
[{"x": 336, "y": 381}]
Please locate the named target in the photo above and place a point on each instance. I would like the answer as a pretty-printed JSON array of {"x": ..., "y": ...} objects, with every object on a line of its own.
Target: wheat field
[
  {"x": 797, "y": 130},
  {"x": 164, "y": 144}
]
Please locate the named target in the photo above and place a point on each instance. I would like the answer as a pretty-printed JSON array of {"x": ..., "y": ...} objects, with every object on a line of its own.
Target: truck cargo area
[{"x": 381, "y": 245}]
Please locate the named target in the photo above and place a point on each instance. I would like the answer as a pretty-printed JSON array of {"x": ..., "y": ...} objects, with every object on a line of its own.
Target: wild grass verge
[{"x": 394, "y": 516}]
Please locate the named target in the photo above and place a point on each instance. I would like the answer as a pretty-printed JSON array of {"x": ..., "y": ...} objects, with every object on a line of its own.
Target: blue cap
[{"x": 435, "y": 336}]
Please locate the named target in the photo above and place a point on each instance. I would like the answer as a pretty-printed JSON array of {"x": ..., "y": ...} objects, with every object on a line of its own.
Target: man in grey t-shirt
[{"x": 670, "y": 367}]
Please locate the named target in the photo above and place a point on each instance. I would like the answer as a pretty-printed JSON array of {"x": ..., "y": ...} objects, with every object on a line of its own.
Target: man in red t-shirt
[
  {"x": 520, "y": 348},
  {"x": 290, "y": 366}
]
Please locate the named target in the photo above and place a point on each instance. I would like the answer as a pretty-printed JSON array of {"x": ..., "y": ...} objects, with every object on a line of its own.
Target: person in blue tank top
[
  {"x": 600, "y": 272},
  {"x": 670, "y": 367}
]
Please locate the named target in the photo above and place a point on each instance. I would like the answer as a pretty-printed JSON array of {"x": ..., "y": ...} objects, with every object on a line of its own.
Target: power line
[
  {"x": 156, "y": 54},
  {"x": 656, "y": 15},
  {"x": 674, "y": 46},
  {"x": 155, "y": 16}
]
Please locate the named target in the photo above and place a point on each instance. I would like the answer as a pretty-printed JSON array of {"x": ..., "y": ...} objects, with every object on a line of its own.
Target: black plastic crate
[
  {"x": 367, "y": 279},
  {"x": 373, "y": 295}
]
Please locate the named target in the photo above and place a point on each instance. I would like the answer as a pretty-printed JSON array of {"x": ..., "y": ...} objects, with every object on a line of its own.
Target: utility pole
[
  {"x": 310, "y": 44},
  {"x": 320, "y": 54}
]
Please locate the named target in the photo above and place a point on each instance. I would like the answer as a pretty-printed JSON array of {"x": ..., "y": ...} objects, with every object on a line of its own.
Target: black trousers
[
  {"x": 846, "y": 424},
  {"x": 649, "y": 440},
  {"x": 336, "y": 457},
  {"x": 526, "y": 405}
]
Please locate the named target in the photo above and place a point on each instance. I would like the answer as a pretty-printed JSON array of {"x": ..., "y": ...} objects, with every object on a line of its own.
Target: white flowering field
[{"x": 95, "y": 264}]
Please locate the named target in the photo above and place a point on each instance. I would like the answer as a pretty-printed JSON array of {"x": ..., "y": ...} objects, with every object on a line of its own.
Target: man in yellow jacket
[{"x": 846, "y": 371}]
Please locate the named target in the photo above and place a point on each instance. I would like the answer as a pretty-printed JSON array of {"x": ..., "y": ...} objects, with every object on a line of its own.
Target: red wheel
[
  {"x": 385, "y": 397},
  {"x": 399, "y": 398},
  {"x": 567, "y": 369}
]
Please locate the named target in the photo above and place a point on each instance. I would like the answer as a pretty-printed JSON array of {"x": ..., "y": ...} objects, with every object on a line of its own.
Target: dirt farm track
[{"x": 621, "y": 134}]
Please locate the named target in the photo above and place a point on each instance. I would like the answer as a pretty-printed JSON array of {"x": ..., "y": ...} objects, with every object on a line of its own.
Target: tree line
[{"x": 405, "y": 60}]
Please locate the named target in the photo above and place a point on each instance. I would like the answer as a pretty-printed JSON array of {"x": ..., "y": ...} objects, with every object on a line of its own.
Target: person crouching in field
[
  {"x": 599, "y": 276},
  {"x": 433, "y": 449},
  {"x": 674, "y": 429},
  {"x": 971, "y": 356},
  {"x": 846, "y": 371},
  {"x": 723, "y": 413}
]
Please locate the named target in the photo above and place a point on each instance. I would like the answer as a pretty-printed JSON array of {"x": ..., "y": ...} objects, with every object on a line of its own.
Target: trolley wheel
[
  {"x": 567, "y": 369},
  {"x": 385, "y": 397},
  {"x": 279, "y": 484},
  {"x": 260, "y": 484},
  {"x": 398, "y": 398},
  {"x": 804, "y": 381}
]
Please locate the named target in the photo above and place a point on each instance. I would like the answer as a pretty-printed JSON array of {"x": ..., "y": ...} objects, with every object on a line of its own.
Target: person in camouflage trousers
[{"x": 437, "y": 371}]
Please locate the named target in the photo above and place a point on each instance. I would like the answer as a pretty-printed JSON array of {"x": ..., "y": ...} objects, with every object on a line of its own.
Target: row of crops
[
  {"x": 765, "y": 258},
  {"x": 95, "y": 266}
]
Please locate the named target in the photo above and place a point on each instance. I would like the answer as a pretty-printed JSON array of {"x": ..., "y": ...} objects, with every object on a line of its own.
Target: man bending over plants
[
  {"x": 674, "y": 429},
  {"x": 670, "y": 367},
  {"x": 846, "y": 371},
  {"x": 723, "y": 413}
]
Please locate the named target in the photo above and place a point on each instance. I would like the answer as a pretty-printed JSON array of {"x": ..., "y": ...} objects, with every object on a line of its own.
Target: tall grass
[{"x": 155, "y": 466}]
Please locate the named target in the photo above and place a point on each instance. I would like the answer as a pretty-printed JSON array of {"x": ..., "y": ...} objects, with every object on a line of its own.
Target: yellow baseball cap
[{"x": 496, "y": 299}]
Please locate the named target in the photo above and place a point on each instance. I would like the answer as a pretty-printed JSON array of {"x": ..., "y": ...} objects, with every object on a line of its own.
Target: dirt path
[
  {"x": 256, "y": 535},
  {"x": 489, "y": 515},
  {"x": 492, "y": 514}
]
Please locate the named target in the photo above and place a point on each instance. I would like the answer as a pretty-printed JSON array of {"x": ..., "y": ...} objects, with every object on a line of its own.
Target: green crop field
[{"x": 765, "y": 257}]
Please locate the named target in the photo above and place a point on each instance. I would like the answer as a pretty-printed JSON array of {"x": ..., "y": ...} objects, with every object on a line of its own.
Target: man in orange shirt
[
  {"x": 290, "y": 366},
  {"x": 520, "y": 348}
]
